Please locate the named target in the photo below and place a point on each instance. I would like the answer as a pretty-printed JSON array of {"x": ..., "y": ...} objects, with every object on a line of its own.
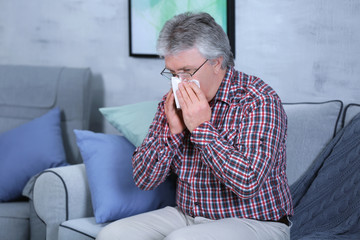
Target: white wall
[{"x": 306, "y": 49}]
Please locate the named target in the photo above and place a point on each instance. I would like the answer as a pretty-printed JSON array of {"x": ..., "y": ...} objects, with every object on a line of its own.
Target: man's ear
[{"x": 217, "y": 63}]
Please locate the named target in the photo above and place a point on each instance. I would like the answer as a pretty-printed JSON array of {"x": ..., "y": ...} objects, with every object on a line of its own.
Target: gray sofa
[
  {"x": 62, "y": 198},
  {"x": 28, "y": 92}
]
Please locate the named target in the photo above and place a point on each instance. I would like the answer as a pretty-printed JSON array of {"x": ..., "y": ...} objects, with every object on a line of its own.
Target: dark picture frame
[{"x": 150, "y": 19}]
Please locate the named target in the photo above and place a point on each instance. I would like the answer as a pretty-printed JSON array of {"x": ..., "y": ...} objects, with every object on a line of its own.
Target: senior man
[{"x": 226, "y": 145}]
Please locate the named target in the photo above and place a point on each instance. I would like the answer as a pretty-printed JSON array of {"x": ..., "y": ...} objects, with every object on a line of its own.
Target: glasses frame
[{"x": 177, "y": 74}]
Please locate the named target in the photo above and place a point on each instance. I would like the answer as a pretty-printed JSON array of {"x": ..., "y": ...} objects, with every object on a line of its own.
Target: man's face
[{"x": 189, "y": 61}]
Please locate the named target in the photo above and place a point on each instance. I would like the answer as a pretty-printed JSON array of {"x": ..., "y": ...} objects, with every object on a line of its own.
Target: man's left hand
[{"x": 195, "y": 108}]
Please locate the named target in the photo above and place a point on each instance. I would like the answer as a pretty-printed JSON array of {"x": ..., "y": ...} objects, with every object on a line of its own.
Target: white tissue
[{"x": 174, "y": 83}]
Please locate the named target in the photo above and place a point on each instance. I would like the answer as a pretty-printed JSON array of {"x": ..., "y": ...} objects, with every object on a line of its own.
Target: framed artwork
[{"x": 147, "y": 17}]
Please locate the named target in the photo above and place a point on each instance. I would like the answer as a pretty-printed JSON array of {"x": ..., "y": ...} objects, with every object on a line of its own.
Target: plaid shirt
[{"x": 231, "y": 166}]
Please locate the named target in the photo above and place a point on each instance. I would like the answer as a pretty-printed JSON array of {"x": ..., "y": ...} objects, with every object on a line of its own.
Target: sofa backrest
[
  {"x": 349, "y": 113},
  {"x": 310, "y": 127},
  {"x": 27, "y": 92}
]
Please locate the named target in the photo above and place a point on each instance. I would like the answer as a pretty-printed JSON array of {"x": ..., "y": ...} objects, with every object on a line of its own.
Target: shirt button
[{"x": 197, "y": 204}]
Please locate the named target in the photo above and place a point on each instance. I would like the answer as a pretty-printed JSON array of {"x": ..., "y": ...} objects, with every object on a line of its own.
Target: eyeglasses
[{"x": 182, "y": 75}]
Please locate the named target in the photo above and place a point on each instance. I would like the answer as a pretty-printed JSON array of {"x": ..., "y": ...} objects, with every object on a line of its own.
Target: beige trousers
[{"x": 172, "y": 224}]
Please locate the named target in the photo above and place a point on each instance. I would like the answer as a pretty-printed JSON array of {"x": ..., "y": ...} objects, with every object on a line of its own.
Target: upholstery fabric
[
  {"x": 350, "y": 111},
  {"x": 133, "y": 120},
  {"x": 38, "y": 227},
  {"x": 310, "y": 127},
  {"x": 61, "y": 194},
  {"x": 114, "y": 195},
  {"x": 14, "y": 221},
  {"x": 14, "y": 209},
  {"x": 80, "y": 229},
  {"x": 327, "y": 198}
]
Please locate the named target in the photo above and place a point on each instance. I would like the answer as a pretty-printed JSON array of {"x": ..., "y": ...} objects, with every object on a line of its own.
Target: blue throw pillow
[
  {"x": 28, "y": 150},
  {"x": 114, "y": 195}
]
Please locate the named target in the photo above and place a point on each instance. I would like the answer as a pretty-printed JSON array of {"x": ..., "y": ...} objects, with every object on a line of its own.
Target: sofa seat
[
  {"x": 14, "y": 217},
  {"x": 81, "y": 229}
]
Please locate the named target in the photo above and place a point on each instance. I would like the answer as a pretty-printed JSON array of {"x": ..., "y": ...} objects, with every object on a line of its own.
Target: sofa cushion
[
  {"x": 310, "y": 127},
  {"x": 19, "y": 209},
  {"x": 349, "y": 113},
  {"x": 327, "y": 198},
  {"x": 14, "y": 220},
  {"x": 133, "y": 120},
  {"x": 114, "y": 195},
  {"x": 80, "y": 229},
  {"x": 28, "y": 150}
]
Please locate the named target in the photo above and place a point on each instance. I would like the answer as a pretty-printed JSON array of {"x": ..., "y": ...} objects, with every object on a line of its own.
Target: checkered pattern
[{"x": 231, "y": 166}]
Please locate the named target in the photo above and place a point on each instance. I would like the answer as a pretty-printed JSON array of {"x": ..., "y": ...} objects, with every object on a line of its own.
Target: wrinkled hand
[
  {"x": 174, "y": 117},
  {"x": 194, "y": 105}
]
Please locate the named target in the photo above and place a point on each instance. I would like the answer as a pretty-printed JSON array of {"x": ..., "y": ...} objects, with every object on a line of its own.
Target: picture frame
[{"x": 150, "y": 16}]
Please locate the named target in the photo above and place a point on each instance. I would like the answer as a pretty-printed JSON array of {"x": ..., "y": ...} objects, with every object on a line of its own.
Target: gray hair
[{"x": 188, "y": 30}]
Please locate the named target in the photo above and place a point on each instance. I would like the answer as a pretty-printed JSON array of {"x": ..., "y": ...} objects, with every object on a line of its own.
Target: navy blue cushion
[
  {"x": 114, "y": 195},
  {"x": 28, "y": 150},
  {"x": 327, "y": 197}
]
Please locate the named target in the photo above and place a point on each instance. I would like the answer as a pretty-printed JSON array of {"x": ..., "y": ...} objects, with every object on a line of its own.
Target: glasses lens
[
  {"x": 184, "y": 76},
  {"x": 168, "y": 75}
]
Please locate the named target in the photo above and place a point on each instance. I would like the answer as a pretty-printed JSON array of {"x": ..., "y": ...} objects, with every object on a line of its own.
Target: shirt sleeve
[
  {"x": 152, "y": 160},
  {"x": 244, "y": 164}
]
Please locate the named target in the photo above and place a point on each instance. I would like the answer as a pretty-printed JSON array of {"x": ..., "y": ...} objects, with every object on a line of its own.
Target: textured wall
[{"x": 305, "y": 49}]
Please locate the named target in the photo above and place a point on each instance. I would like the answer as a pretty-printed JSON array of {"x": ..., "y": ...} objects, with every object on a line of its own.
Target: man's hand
[
  {"x": 195, "y": 108},
  {"x": 174, "y": 117}
]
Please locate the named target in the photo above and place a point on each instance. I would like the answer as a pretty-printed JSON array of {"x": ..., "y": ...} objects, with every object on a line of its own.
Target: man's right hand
[{"x": 173, "y": 116}]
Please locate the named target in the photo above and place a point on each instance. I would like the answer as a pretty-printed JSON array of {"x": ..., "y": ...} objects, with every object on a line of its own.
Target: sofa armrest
[{"x": 61, "y": 194}]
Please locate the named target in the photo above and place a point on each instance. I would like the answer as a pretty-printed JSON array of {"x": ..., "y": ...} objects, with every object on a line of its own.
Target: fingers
[
  {"x": 199, "y": 94},
  {"x": 195, "y": 108},
  {"x": 183, "y": 95},
  {"x": 170, "y": 100},
  {"x": 189, "y": 93}
]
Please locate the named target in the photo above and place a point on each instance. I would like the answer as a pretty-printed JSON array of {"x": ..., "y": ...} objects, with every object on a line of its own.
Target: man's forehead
[
  {"x": 185, "y": 59},
  {"x": 178, "y": 67}
]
